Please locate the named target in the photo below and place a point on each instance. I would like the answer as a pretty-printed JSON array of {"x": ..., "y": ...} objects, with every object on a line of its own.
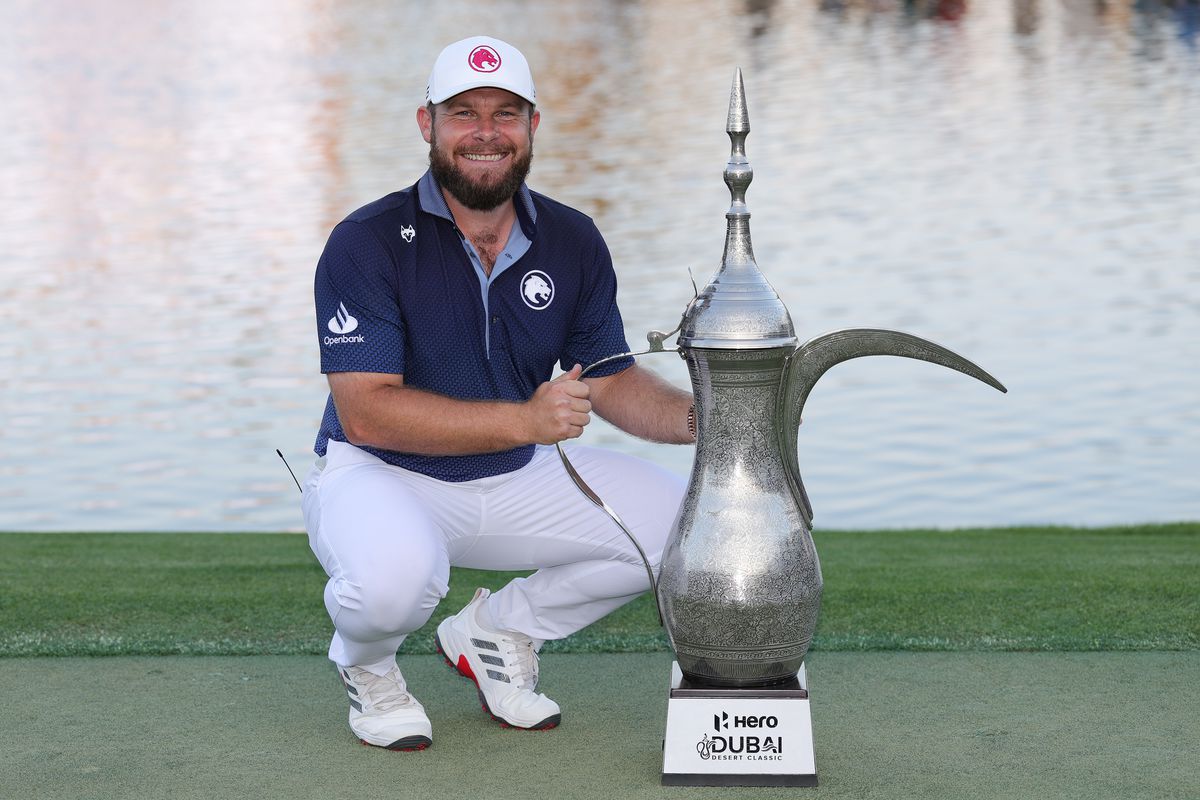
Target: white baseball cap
[{"x": 480, "y": 61}]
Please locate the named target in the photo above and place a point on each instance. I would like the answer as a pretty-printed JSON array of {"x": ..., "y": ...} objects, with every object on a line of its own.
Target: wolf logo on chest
[{"x": 537, "y": 290}]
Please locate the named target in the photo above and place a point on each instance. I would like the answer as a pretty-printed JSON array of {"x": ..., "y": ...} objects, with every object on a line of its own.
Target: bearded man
[{"x": 441, "y": 312}]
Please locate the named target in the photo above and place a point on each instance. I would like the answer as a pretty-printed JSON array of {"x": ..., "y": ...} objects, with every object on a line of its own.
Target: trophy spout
[{"x": 813, "y": 359}]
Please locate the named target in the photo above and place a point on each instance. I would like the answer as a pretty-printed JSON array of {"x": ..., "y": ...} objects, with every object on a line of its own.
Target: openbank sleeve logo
[
  {"x": 484, "y": 59},
  {"x": 537, "y": 290},
  {"x": 342, "y": 322}
]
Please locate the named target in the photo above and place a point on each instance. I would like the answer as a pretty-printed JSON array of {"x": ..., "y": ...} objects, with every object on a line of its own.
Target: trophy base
[{"x": 760, "y": 736}]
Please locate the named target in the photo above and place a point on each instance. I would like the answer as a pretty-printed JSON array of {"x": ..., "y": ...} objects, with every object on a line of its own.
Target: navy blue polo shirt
[{"x": 399, "y": 290}]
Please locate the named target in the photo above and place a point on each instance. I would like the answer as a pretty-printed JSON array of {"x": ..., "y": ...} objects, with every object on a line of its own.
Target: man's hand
[{"x": 560, "y": 408}]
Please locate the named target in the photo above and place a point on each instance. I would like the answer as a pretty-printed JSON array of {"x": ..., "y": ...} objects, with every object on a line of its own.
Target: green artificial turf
[
  {"x": 1129, "y": 588},
  {"x": 886, "y": 726}
]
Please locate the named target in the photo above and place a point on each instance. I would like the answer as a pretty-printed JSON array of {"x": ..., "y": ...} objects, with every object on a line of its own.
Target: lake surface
[{"x": 1019, "y": 181}]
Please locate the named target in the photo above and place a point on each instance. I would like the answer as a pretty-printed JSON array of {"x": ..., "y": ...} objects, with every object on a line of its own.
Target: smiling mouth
[{"x": 483, "y": 156}]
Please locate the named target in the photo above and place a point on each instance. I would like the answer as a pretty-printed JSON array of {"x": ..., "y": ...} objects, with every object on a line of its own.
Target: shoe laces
[
  {"x": 381, "y": 693},
  {"x": 521, "y": 661}
]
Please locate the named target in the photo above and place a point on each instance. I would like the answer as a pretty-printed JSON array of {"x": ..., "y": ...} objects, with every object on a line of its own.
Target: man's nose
[{"x": 485, "y": 129}]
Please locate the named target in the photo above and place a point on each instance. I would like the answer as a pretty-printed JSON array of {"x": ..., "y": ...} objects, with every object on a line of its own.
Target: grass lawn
[{"x": 1057, "y": 589}]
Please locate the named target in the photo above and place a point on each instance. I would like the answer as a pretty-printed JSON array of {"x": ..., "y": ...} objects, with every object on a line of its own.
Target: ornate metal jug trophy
[{"x": 740, "y": 585}]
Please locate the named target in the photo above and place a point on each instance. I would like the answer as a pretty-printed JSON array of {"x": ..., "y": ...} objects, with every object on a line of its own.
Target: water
[{"x": 1017, "y": 181}]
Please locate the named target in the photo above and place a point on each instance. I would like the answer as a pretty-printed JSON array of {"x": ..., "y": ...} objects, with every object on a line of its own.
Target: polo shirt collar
[{"x": 430, "y": 196}]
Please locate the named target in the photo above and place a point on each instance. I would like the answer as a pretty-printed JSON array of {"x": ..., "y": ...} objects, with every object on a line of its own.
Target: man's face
[{"x": 480, "y": 145}]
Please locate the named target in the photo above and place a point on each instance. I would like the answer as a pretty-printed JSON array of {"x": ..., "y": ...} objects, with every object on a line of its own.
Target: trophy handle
[
  {"x": 813, "y": 359},
  {"x": 590, "y": 493}
]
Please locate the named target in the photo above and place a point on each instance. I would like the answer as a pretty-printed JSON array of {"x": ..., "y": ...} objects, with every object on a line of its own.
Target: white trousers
[{"x": 387, "y": 538}]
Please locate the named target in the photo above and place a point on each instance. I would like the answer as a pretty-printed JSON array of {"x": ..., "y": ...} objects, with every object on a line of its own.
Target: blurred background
[{"x": 1018, "y": 180}]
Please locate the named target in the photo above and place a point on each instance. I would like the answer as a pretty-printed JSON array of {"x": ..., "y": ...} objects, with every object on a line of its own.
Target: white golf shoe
[
  {"x": 503, "y": 665},
  {"x": 383, "y": 713}
]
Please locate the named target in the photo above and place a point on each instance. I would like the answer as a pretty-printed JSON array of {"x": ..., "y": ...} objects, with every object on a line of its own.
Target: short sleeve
[
  {"x": 597, "y": 331},
  {"x": 359, "y": 324}
]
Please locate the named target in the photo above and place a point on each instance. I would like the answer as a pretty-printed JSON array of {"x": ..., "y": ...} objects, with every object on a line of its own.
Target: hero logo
[
  {"x": 484, "y": 59},
  {"x": 731, "y": 747},
  {"x": 342, "y": 323},
  {"x": 537, "y": 290}
]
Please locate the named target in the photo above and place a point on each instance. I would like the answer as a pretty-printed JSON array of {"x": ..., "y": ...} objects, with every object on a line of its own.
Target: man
[{"x": 441, "y": 311}]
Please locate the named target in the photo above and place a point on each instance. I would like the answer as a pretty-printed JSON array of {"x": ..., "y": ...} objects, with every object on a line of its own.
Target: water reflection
[
  {"x": 1028, "y": 14},
  {"x": 913, "y": 10},
  {"x": 1016, "y": 180}
]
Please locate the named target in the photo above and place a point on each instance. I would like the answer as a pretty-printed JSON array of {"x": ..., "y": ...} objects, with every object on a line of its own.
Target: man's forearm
[
  {"x": 380, "y": 411},
  {"x": 411, "y": 420},
  {"x": 641, "y": 403}
]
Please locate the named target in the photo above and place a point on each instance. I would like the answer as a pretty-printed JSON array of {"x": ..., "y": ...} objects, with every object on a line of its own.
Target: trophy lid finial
[
  {"x": 738, "y": 173},
  {"x": 739, "y": 118},
  {"x": 738, "y": 309}
]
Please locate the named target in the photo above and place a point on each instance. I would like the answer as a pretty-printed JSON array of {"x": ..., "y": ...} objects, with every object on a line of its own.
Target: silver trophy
[{"x": 740, "y": 584}]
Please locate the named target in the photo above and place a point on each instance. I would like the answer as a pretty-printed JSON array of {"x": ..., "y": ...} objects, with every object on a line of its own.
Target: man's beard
[{"x": 474, "y": 195}]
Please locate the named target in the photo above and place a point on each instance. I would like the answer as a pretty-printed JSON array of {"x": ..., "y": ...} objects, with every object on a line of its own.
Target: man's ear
[
  {"x": 425, "y": 122},
  {"x": 534, "y": 119}
]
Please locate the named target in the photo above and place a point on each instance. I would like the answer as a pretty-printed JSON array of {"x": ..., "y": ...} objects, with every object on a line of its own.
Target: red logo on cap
[{"x": 484, "y": 59}]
